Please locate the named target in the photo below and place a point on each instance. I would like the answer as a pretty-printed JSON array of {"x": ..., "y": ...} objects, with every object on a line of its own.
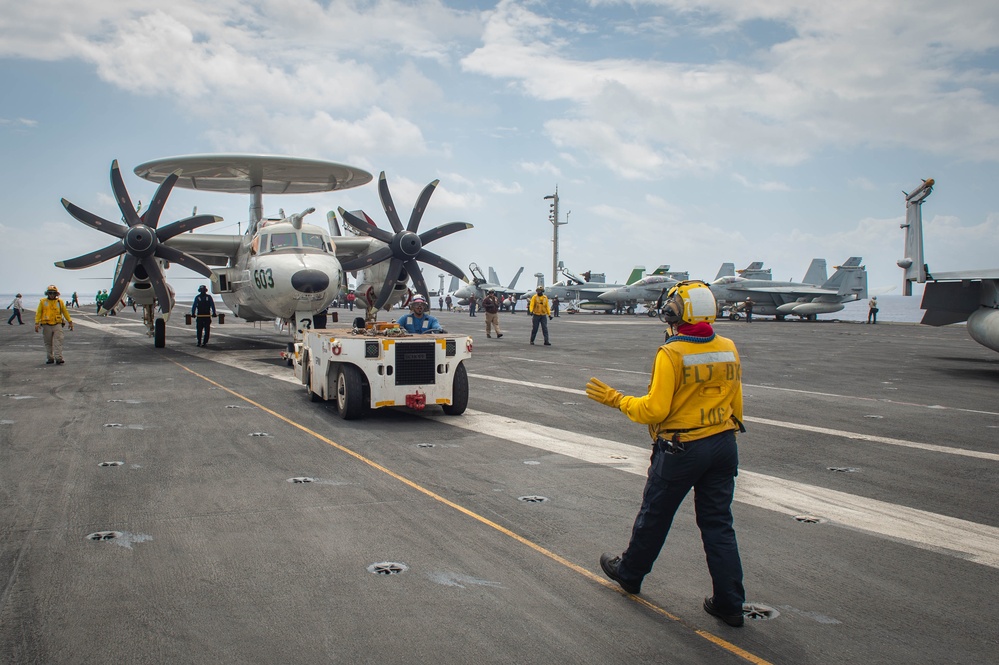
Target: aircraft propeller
[
  {"x": 405, "y": 246},
  {"x": 141, "y": 241}
]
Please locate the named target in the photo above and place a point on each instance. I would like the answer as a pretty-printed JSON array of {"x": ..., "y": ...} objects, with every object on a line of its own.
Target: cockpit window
[
  {"x": 314, "y": 240},
  {"x": 283, "y": 240}
]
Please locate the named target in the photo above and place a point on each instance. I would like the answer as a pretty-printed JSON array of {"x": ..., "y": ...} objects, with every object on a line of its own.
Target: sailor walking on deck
[
  {"x": 18, "y": 306},
  {"x": 50, "y": 317},
  {"x": 203, "y": 309},
  {"x": 693, "y": 409}
]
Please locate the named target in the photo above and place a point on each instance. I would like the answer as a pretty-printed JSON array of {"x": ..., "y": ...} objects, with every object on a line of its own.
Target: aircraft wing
[
  {"x": 350, "y": 247},
  {"x": 794, "y": 290},
  {"x": 963, "y": 275},
  {"x": 212, "y": 249}
]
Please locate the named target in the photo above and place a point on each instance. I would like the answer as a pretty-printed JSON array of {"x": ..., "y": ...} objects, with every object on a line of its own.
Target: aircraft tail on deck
[
  {"x": 637, "y": 273},
  {"x": 850, "y": 278},
  {"x": 513, "y": 282},
  {"x": 816, "y": 273},
  {"x": 726, "y": 270},
  {"x": 755, "y": 270}
]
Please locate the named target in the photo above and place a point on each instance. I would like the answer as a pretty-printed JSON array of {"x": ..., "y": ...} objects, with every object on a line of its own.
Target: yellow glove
[{"x": 601, "y": 392}]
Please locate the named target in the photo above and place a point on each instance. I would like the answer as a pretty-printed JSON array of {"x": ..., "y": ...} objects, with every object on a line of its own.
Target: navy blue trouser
[
  {"x": 709, "y": 466},
  {"x": 204, "y": 327},
  {"x": 542, "y": 320}
]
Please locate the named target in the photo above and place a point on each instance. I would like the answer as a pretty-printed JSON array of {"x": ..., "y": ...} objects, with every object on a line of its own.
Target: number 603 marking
[{"x": 264, "y": 279}]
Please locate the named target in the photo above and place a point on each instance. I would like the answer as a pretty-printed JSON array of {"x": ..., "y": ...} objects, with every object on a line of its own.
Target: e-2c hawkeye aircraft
[
  {"x": 281, "y": 268},
  {"x": 948, "y": 297}
]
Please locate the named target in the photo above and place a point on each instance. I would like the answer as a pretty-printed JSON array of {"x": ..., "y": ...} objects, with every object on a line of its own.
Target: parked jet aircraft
[
  {"x": 479, "y": 285},
  {"x": 753, "y": 271},
  {"x": 948, "y": 297},
  {"x": 779, "y": 299},
  {"x": 281, "y": 268},
  {"x": 578, "y": 292},
  {"x": 646, "y": 291}
]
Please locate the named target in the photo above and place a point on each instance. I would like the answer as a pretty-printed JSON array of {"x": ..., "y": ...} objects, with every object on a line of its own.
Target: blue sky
[{"x": 683, "y": 132}]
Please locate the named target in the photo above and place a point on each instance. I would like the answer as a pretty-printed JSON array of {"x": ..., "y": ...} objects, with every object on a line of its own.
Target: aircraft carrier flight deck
[{"x": 191, "y": 505}]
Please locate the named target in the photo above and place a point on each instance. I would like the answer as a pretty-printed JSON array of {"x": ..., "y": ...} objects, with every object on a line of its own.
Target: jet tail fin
[
  {"x": 493, "y": 277},
  {"x": 513, "y": 282},
  {"x": 726, "y": 270},
  {"x": 755, "y": 270},
  {"x": 816, "y": 273},
  {"x": 912, "y": 264},
  {"x": 637, "y": 273},
  {"x": 850, "y": 278},
  {"x": 454, "y": 284},
  {"x": 333, "y": 224}
]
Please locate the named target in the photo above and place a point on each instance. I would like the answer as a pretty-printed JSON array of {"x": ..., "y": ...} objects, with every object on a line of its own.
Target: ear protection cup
[{"x": 673, "y": 307}]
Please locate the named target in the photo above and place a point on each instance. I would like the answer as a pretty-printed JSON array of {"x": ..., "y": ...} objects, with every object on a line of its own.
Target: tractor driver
[{"x": 419, "y": 320}]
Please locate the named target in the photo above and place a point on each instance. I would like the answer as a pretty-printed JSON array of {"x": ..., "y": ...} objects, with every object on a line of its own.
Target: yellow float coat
[{"x": 695, "y": 389}]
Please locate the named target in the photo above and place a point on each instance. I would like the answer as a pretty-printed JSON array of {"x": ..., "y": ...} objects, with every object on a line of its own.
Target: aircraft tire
[
  {"x": 459, "y": 393},
  {"x": 159, "y": 333},
  {"x": 349, "y": 392}
]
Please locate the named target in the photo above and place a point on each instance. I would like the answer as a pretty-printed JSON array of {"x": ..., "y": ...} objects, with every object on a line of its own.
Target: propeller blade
[
  {"x": 415, "y": 274},
  {"x": 443, "y": 230},
  {"x": 95, "y": 222},
  {"x": 191, "y": 263},
  {"x": 440, "y": 262},
  {"x": 152, "y": 267},
  {"x": 121, "y": 195},
  {"x": 421, "y": 206},
  {"x": 93, "y": 258},
  {"x": 387, "y": 204},
  {"x": 121, "y": 281},
  {"x": 152, "y": 215},
  {"x": 362, "y": 227},
  {"x": 379, "y": 255},
  {"x": 183, "y": 225},
  {"x": 393, "y": 276}
]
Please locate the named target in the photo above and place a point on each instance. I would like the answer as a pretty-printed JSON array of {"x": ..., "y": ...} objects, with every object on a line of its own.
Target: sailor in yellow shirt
[
  {"x": 693, "y": 409},
  {"x": 541, "y": 314},
  {"x": 50, "y": 316}
]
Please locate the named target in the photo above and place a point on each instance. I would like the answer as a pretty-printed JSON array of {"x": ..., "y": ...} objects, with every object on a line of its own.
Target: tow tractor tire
[
  {"x": 350, "y": 392},
  {"x": 313, "y": 397},
  {"x": 651, "y": 313},
  {"x": 159, "y": 333},
  {"x": 459, "y": 393}
]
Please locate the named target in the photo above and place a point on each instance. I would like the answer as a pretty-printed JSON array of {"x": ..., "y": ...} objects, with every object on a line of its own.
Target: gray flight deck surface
[{"x": 221, "y": 557}]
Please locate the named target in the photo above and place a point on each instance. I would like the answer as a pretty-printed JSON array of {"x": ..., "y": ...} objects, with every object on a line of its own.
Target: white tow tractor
[{"x": 383, "y": 365}]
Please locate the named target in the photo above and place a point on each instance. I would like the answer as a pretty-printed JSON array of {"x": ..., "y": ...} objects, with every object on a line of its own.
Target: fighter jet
[
  {"x": 583, "y": 292},
  {"x": 949, "y": 297},
  {"x": 802, "y": 299},
  {"x": 480, "y": 286},
  {"x": 646, "y": 291}
]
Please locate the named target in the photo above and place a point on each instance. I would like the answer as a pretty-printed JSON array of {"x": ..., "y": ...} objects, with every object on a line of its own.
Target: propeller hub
[
  {"x": 406, "y": 245},
  {"x": 140, "y": 241}
]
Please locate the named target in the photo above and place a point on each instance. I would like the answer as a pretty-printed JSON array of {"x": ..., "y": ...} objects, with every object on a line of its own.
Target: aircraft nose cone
[{"x": 310, "y": 281}]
